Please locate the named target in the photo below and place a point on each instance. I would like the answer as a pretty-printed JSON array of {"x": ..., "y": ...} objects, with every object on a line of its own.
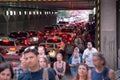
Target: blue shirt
[
  {"x": 100, "y": 76},
  {"x": 36, "y": 75}
]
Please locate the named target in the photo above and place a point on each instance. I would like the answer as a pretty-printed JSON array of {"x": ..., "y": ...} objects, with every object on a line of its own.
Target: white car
[
  {"x": 9, "y": 45},
  {"x": 53, "y": 45}
]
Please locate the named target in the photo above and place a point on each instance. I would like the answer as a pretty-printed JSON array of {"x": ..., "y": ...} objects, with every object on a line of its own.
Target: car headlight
[
  {"x": 52, "y": 53},
  {"x": 35, "y": 38}
]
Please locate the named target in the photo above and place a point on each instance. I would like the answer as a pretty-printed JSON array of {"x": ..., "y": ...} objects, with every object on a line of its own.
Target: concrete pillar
[
  {"x": 118, "y": 32},
  {"x": 108, "y": 32}
]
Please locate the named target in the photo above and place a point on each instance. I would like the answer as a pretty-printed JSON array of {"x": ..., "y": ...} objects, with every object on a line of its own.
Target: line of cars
[
  {"x": 57, "y": 37},
  {"x": 53, "y": 39}
]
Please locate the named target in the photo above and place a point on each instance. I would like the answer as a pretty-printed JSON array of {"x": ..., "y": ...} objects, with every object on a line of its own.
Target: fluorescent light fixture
[
  {"x": 20, "y": 13},
  {"x": 11, "y": 12},
  {"x": 33, "y": 12},
  {"x": 25, "y": 12},
  {"x": 14, "y": 12},
  {"x": 7, "y": 12},
  {"x": 37, "y": 12},
  {"x": 30, "y": 12}
]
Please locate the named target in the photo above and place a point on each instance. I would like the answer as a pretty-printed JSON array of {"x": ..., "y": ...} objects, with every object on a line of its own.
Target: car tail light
[
  {"x": 45, "y": 37},
  {"x": 51, "y": 33},
  {"x": 12, "y": 48},
  {"x": 30, "y": 33},
  {"x": 40, "y": 32},
  {"x": 70, "y": 39},
  {"x": 60, "y": 33},
  {"x": 5, "y": 41},
  {"x": 26, "y": 42},
  {"x": 54, "y": 38},
  {"x": 61, "y": 44},
  {"x": 18, "y": 32},
  {"x": 64, "y": 36},
  {"x": 46, "y": 46}
]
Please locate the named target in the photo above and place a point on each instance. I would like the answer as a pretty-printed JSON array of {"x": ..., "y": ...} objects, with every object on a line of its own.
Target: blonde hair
[
  {"x": 45, "y": 69},
  {"x": 45, "y": 59}
]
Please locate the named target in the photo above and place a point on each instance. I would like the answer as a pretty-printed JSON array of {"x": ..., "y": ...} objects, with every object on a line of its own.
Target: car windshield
[
  {"x": 66, "y": 30},
  {"x": 47, "y": 45},
  {"x": 10, "y": 43},
  {"x": 49, "y": 28},
  {"x": 32, "y": 33},
  {"x": 53, "y": 40},
  {"x": 18, "y": 34}
]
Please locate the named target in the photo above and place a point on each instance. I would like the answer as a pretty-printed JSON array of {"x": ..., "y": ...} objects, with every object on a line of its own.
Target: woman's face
[
  {"x": 59, "y": 57},
  {"x": 43, "y": 64},
  {"x": 5, "y": 75},
  {"x": 82, "y": 70}
]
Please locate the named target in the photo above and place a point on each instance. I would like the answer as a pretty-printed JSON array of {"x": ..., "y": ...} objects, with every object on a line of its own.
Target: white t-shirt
[
  {"x": 75, "y": 60},
  {"x": 87, "y": 56}
]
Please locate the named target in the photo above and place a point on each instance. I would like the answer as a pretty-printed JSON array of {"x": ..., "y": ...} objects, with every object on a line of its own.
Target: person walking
[
  {"x": 100, "y": 71},
  {"x": 82, "y": 72},
  {"x": 87, "y": 55},
  {"x": 46, "y": 70},
  {"x": 21, "y": 68},
  {"x": 34, "y": 71},
  {"x": 74, "y": 61}
]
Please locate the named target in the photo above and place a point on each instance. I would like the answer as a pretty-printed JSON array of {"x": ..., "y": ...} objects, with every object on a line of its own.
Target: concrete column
[
  {"x": 118, "y": 32},
  {"x": 108, "y": 32}
]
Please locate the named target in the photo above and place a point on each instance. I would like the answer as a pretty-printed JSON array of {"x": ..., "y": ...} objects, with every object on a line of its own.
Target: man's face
[
  {"x": 31, "y": 59},
  {"x": 23, "y": 62},
  {"x": 97, "y": 62},
  {"x": 41, "y": 50},
  {"x": 89, "y": 46}
]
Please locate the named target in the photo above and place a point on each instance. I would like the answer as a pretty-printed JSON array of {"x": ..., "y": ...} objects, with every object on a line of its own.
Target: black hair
[
  {"x": 34, "y": 51},
  {"x": 2, "y": 59},
  {"x": 101, "y": 57},
  {"x": 6, "y": 65}
]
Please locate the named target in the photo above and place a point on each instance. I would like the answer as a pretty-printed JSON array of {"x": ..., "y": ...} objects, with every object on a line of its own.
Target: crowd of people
[{"x": 36, "y": 65}]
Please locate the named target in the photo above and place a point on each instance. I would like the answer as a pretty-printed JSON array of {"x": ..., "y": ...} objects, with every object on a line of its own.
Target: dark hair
[
  {"x": 6, "y": 65},
  {"x": 2, "y": 59},
  {"x": 77, "y": 75},
  {"x": 33, "y": 50},
  {"x": 101, "y": 57}
]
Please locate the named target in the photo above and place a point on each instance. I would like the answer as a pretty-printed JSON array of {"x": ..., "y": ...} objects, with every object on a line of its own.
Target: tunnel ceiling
[{"x": 50, "y": 5}]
